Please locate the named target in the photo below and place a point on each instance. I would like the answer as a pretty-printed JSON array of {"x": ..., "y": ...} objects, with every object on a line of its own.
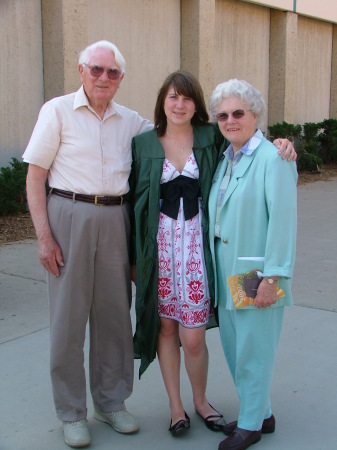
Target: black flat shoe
[
  {"x": 180, "y": 427},
  {"x": 214, "y": 425},
  {"x": 240, "y": 439},
  {"x": 268, "y": 426}
]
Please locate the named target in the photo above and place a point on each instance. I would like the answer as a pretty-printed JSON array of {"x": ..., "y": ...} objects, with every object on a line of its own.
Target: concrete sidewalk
[{"x": 305, "y": 381}]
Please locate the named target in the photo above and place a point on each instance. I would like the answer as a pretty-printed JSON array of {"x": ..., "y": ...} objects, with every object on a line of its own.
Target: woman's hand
[
  {"x": 285, "y": 149},
  {"x": 266, "y": 294}
]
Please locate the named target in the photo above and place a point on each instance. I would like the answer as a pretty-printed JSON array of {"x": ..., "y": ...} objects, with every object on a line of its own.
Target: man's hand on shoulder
[{"x": 285, "y": 149}]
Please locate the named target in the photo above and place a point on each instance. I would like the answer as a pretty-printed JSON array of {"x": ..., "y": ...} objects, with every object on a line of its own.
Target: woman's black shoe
[
  {"x": 214, "y": 422},
  {"x": 180, "y": 426}
]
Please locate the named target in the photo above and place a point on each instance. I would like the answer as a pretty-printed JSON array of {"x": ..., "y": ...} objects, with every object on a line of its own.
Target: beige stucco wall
[
  {"x": 282, "y": 66},
  {"x": 291, "y": 58},
  {"x": 242, "y": 44},
  {"x": 322, "y": 9},
  {"x": 148, "y": 36},
  {"x": 285, "y": 5},
  {"x": 65, "y": 33},
  {"x": 333, "y": 90},
  {"x": 21, "y": 86},
  {"x": 147, "y": 33},
  {"x": 313, "y": 75},
  {"x": 198, "y": 41}
]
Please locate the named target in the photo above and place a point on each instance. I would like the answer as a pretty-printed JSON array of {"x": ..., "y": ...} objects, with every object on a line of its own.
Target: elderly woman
[{"x": 252, "y": 213}]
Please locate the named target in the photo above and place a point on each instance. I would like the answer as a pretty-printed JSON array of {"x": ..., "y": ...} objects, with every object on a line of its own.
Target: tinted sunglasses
[
  {"x": 97, "y": 71},
  {"x": 237, "y": 114}
]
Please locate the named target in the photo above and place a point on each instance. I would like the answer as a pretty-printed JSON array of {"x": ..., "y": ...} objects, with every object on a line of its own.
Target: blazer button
[{"x": 225, "y": 241}]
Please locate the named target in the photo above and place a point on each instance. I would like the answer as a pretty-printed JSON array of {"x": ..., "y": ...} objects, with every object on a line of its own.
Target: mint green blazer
[{"x": 258, "y": 218}]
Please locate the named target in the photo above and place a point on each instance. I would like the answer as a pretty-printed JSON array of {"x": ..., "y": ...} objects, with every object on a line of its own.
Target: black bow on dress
[{"x": 172, "y": 191}]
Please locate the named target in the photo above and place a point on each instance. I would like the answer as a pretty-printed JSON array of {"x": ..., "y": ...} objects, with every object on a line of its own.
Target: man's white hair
[{"x": 86, "y": 53}]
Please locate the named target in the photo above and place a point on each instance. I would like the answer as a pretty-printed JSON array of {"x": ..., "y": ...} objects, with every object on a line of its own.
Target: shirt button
[{"x": 225, "y": 241}]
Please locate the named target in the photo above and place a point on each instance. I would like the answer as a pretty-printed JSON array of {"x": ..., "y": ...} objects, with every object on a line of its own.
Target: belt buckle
[
  {"x": 122, "y": 200},
  {"x": 96, "y": 198}
]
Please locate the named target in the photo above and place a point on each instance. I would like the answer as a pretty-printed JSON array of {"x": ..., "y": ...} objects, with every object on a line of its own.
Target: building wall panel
[
  {"x": 323, "y": 9},
  {"x": 313, "y": 75},
  {"x": 333, "y": 90},
  {"x": 242, "y": 44},
  {"x": 21, "y": 87},
  {"x": 147, "y": 33}
]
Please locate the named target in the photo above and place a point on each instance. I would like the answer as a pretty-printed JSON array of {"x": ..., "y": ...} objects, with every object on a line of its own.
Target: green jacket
[{"x": 147, "y": 166}]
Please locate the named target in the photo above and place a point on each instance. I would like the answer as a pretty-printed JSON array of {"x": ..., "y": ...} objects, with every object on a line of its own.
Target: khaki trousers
[{"x": 94, "y": 285}]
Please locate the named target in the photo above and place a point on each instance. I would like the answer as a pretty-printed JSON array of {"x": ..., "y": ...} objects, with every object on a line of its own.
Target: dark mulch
[{"x": 16, "y": 228}]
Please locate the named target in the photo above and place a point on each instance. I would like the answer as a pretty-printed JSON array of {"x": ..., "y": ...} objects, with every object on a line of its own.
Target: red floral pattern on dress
[
  {"x": 182, "y": 283},
  {"x": 196, "y": 291},
  {"x": 164, "y": 287}
]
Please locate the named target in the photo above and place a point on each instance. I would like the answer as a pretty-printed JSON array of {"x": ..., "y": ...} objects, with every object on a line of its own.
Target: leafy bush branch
[
  {"x": 13, "y": 188},
  {"x": 315, "y": 143}
]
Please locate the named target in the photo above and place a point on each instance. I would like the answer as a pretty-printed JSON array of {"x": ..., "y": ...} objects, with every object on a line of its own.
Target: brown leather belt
[{"x": 100, "y": 200}]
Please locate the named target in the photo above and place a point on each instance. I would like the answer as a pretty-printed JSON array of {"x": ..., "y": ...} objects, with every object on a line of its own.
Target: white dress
[{"x": 183, "y": 293}]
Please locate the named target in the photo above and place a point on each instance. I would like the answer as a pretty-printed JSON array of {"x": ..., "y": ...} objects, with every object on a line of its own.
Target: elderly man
[{"x": 81, "y": 144}]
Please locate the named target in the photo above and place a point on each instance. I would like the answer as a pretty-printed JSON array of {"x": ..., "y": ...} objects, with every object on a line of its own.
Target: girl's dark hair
[{"x": 186, "y": 84}]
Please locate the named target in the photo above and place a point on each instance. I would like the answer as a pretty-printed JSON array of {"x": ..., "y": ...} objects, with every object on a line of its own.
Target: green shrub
[
  {"x": 284, "y": 130},
  {"x": 309, "y": 149},
  {"x": 328, "y": 140},
  {"x": 308, "y": 162},
  {"x": 13, "y": 188},
  {"x": 315, "y": 143},
  {"x": 311, "y": 130}
]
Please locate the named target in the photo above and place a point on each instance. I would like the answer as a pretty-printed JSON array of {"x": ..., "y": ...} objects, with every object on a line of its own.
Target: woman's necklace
[{"x": 186, "y": 145}]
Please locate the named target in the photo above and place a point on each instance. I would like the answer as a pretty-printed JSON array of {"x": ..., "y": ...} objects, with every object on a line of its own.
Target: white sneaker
[
  {"x": 121, "y": 421},
  {"x": 76, "y": 434}
]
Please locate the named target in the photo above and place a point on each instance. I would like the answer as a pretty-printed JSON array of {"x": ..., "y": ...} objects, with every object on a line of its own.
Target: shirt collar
[
  {"x": 82, "y": 100},
  {"x": 248, "y": 148}
]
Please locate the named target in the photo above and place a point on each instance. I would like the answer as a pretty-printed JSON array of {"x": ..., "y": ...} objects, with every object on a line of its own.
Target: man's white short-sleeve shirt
[{"x": 84, "y": 153}]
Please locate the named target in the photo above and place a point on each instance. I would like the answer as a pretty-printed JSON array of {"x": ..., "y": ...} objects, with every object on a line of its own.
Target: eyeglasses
[
  {"x": 237, "y": 114},
  {"x": 97, "y": 71}
]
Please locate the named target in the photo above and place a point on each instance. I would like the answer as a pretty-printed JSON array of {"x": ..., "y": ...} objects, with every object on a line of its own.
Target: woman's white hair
[
  {"x": 86, "y": 53},
  {"x": 244, "y": 91}
]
